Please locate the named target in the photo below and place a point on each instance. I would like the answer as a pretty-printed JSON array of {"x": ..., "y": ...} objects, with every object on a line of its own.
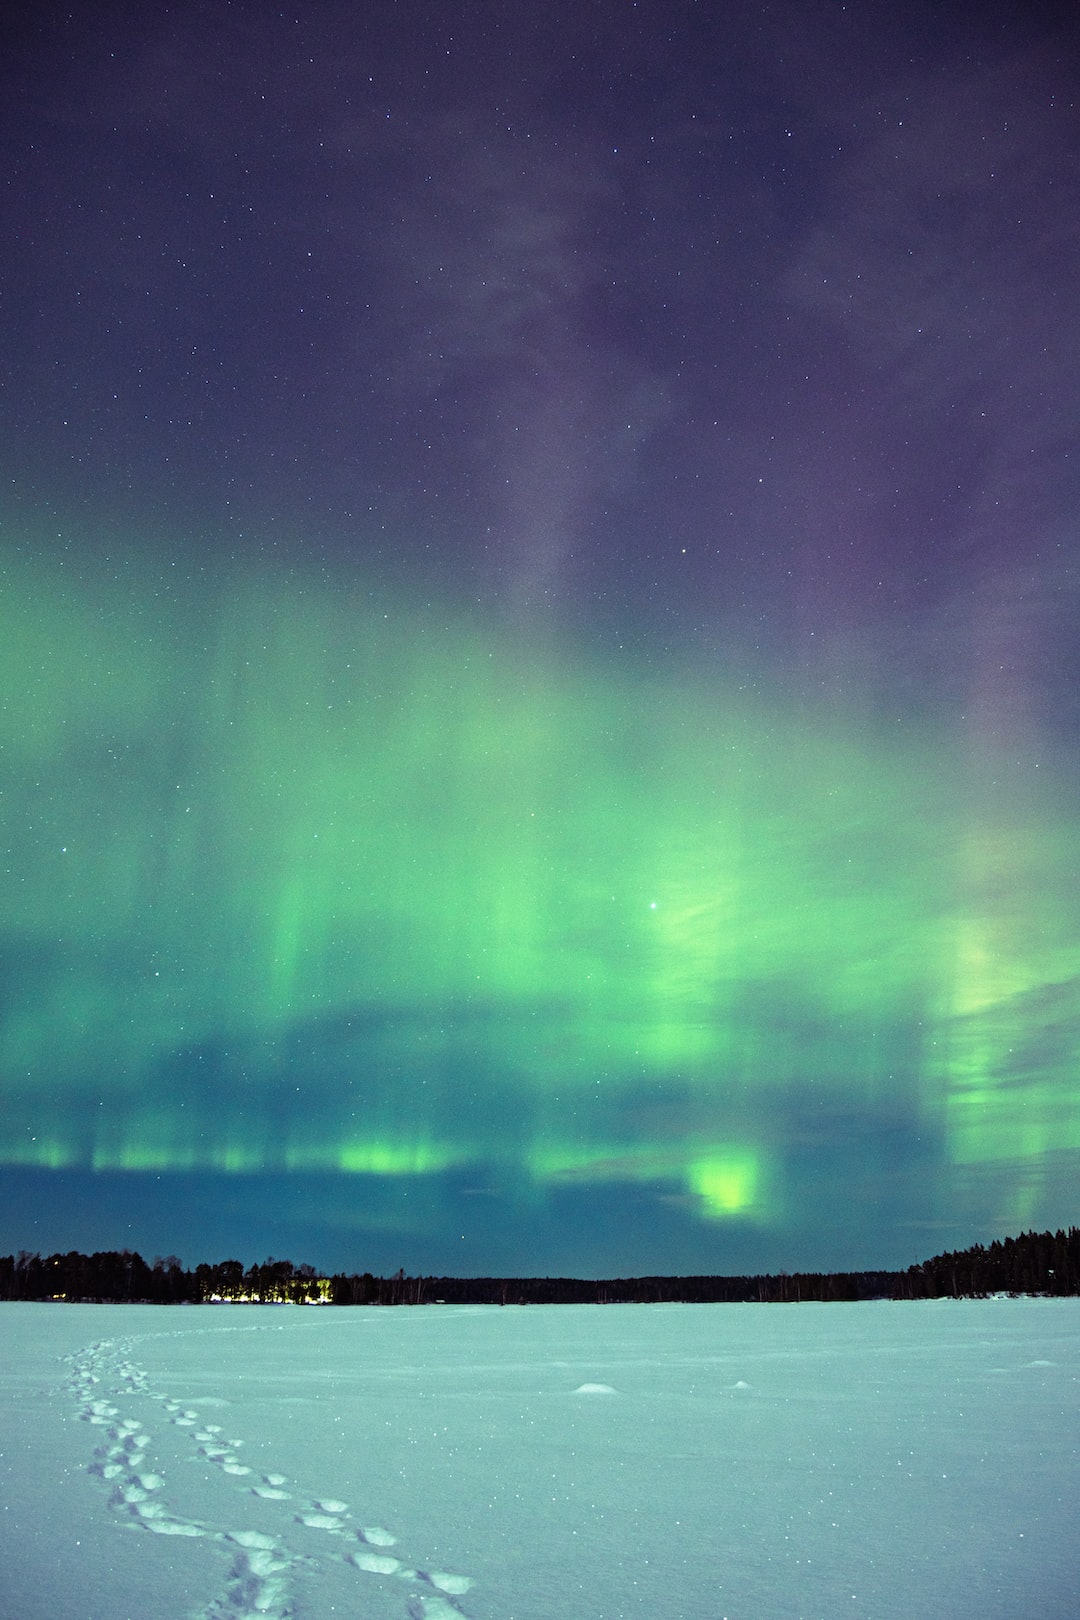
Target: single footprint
[
  {"x": 175, "y": 1527},
  {"x": 252, "y": 1540},
  {"x": 376, "y": 1536},
  {"x": 375, "y": 1563},
  {"x": 433, "y": 1608},
  {"x": 321, "y": 1521},
  {"x": 456, "y": 1585}
]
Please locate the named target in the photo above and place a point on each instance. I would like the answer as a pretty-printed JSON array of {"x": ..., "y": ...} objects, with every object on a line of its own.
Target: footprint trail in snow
[{"x": 110, "y": 1387}]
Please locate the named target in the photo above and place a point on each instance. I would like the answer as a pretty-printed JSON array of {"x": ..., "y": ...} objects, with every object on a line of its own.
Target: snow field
[{"x": 549, "y": 1463}]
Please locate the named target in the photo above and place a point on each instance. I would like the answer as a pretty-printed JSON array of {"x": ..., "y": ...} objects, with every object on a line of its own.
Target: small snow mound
[
  {"x": 741, "y": 1384},
  {"x": 594, "y": 1389}
]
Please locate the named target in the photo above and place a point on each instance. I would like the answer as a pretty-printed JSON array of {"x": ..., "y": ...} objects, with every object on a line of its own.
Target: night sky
[{"x": 539, "y": 656}]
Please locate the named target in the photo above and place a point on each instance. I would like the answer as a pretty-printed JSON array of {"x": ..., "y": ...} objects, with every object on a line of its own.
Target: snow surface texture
[{"x": 553, "y": 1463}]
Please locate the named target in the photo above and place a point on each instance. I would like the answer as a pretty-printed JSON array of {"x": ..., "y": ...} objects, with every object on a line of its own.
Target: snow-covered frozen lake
[{"x": 549, "y": 1463}]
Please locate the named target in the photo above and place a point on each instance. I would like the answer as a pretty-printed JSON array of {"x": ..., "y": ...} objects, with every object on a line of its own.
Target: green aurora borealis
[
  {"x": 314, "y": 879},
  {"x": 539, "y": 674}
]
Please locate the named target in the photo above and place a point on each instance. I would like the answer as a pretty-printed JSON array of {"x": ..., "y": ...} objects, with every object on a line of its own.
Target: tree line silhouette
[{"x": 1034, "y": 1263}]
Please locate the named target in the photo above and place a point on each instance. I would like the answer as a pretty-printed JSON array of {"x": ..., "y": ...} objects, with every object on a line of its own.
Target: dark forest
[{"x": 1046, "y": 1263}]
